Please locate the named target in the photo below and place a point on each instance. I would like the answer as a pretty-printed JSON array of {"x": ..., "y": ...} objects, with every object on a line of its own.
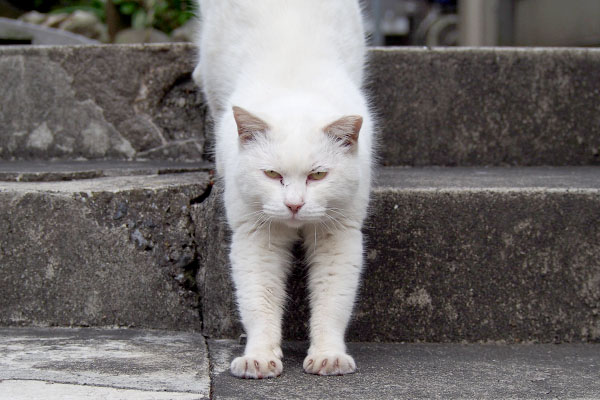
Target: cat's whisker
[
  {"x": 258, "y": 229},
  {"x": 260, "y": 221},
  {"x": 270, "y": 221},
  {"x": 253, "y": 213},
  {"x": 265, "y": 219},
  {"x": 259, "y": 217},
  {"x": 336, "y": 210},
  {"x": 335, "y": 222},
  {"x": 326, "y": 226},
  {"x": 315, "y": 246}
]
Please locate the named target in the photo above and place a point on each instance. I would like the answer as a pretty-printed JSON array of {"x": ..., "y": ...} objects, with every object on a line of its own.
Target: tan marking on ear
[
  {"x": 345, "y": 129},
  {"x": 248, "y": 124}
]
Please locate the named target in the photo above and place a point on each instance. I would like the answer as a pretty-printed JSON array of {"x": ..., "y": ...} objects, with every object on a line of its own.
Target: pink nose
[{"x": 294, "y": 207}]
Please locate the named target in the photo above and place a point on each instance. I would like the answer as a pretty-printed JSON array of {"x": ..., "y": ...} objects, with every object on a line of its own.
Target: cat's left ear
[
  {"x": 248, "y": 124},
  {"x": 345, "y": 130}
]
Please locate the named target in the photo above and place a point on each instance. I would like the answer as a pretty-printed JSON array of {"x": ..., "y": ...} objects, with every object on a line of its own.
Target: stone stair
[{"x": 484, "y": 223}]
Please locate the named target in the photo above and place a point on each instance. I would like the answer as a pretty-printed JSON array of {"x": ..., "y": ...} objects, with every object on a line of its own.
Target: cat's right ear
[
  {"x": 248, "y": 125},
  {"x": 345, "y": 130}
]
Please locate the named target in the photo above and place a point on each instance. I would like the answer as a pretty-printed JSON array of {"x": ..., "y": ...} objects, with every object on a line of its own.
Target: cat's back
[{"x": 276, "y": 37}]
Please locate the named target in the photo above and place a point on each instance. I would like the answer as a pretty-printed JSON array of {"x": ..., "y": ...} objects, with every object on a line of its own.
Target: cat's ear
[
  {"x": 345, "y": 130},
  {"x": 248, "y": 125}
]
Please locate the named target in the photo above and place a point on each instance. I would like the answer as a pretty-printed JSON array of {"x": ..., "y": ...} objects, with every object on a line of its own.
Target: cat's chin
[{"x": 294, "y": 223}]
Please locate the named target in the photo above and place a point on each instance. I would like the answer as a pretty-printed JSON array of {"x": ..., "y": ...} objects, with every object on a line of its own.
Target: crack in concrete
[{"x": 192, "y": 269}]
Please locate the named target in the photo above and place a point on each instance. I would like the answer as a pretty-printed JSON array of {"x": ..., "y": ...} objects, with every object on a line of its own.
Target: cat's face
[{"x": 296, "y": 174}]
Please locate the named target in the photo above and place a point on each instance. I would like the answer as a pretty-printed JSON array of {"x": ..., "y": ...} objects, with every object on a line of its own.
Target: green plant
[{"x": 164, "y": 15}]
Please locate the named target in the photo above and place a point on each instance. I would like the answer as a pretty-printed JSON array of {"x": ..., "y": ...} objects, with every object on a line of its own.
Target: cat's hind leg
[
  {"x": 260, "y": 265},
  {"x": 334, "y": 274}
]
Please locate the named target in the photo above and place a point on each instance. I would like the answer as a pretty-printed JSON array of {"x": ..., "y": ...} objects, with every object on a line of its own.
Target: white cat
[{"x": 283, "y": 80}]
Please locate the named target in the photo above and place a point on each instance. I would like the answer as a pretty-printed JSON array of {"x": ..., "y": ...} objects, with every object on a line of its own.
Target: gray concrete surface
[
  {"x": 425, "y": 371},
  {"x": 73, "y": 103},
  {"x": 115, "y": 251},
  {"x": 551, "y": 179},
  {"x": 102, "y": 364},
  {"x": 487, "y": 106},
  {"x": 436, "y": 106},
  {"x": 460, "y": 254},
  {"x": 453, "y": 254},
  {"x": 30, "y": 389},
  {"x": 53, "y": 171},
  {"x": 51, "y": 363}
]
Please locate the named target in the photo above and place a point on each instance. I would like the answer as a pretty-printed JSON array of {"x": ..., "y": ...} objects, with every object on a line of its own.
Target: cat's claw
[
  {"x": 256, "y": 367},
  {"x": 329, "y": 363}
]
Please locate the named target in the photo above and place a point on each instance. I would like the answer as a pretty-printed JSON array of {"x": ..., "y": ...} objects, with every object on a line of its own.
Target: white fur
[{"x": 298, "y": 66}]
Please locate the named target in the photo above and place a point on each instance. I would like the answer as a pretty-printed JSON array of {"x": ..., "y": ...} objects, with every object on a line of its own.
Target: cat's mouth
[{"x": 294, "y": 221}]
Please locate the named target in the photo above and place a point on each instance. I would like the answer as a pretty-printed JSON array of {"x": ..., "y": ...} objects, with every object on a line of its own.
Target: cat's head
[{"x": 297, "y": 172}]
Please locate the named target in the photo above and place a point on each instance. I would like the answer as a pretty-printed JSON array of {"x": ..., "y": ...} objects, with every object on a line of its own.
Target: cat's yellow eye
[
  {"x": 273, "y": 174},
  {"x": 317, "y": 176}
]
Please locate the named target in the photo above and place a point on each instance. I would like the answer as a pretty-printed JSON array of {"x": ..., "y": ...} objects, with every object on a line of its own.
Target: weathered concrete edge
[
  {"x": 577, "y": 51},
  {"x": 485, "y": 50},
  {"x": 61, "y": 171},
  {"x": 131, "y": 361},
  {"x": 84, "y": 211},
  {"x": 108, "y": 184},
  {"x": 26, "y": 389},
  {"x": 440, "y": 106},
  {"x": 11, "y": 50}
]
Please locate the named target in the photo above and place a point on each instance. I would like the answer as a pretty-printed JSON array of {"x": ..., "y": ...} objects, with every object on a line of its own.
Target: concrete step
[
  {"x": 102, "y": 364},
  {"x": 148, "y": 364},
  {"x": 463, "y": 254},
  {"x": 56, "y": 171},
  {"x": 453, "y": 255},
  {"x": 452, "y": 107},
  {"x": 116, "y": 249}
]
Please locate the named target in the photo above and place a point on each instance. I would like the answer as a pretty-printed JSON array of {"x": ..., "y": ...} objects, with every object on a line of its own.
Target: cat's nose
[{"x": 294, "y": 207}]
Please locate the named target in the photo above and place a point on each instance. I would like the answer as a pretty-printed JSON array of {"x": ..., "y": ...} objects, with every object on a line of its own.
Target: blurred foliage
[{"x": 164, "y": 15}]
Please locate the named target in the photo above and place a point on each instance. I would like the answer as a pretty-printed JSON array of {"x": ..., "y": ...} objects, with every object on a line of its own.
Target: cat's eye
[
  {"x": 317, "y": 176},
  {"x": 273, "y": 174}
]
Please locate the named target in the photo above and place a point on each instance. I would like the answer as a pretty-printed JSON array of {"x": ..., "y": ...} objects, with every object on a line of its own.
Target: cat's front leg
[
  {"x": 334, "y": 274},
  {"x": 260, "y": 266}
]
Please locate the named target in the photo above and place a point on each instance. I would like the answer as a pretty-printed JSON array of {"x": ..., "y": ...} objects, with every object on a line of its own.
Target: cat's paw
[
  {"x": 256, "y": 367},
  {"x": 329, "y": 363}
]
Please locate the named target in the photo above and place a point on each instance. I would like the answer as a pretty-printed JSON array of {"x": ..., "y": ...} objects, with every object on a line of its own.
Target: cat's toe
[
  {"x": 256, "y": 367},
  {"x": 329, "y": 363}
]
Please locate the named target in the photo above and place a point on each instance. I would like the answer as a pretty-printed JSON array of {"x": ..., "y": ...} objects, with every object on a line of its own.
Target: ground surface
[{"x": 144, "y": 364}]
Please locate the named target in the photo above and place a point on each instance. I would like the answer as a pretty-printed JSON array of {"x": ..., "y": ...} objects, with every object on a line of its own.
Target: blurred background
[
  {"x": 390, "y": 22},
  {"x": 106, "y": 21}
]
